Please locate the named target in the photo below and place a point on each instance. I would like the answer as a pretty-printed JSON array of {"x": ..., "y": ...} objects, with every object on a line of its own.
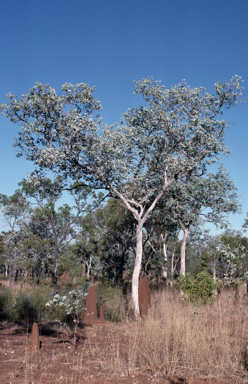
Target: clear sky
[{"x": 110, "y": 43}]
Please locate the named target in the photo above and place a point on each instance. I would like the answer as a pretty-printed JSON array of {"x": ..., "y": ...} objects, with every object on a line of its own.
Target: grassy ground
[{"x": 176, "y": 339}]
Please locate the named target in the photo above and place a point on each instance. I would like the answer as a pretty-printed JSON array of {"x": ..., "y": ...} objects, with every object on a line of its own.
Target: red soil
[{"x": 56, "y": 361}]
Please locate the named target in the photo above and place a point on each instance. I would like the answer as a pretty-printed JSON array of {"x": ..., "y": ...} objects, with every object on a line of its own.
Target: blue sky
[{"x": 110, "y": 43}]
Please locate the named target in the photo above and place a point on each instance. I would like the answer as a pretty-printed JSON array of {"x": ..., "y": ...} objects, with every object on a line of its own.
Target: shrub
[
  {"x": 198, "y": 288},
  {"x": 113, "y": 301},
  {"x": 30, "y": 305},
  {"x": 39, "y": 298},
  {"x": 74, "y": 305},
  {"x": 6, "y": 305},
  {"x": 26, "y": 308}
]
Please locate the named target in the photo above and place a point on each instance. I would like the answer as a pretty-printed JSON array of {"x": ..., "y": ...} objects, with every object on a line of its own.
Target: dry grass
[{"x": 173, "y": 339}]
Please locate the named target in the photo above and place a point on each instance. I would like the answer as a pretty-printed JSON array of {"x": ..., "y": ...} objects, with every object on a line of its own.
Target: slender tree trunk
[
  {"x": 172, "y": 268},
  {"x": 54, "y": 267},
  {"x": 88, "y": 270},
  {"x": 164, "y": 267},
  {"x": 15, "y": 273},
  {"x": 214, "y": 273},
  {"x": 136, "y": 271},
  {"x": 88, "y": 266},
  {"x": 10, "y": 272},
  {"x": 183, "y": 248},
  {"x": 55, "y": 256}
]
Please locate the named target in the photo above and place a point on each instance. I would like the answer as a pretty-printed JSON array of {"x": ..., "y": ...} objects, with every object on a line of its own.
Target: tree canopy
[{"x": 176, "y": 135}]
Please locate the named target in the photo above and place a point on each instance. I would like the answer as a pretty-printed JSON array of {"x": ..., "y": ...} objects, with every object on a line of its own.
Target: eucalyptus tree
[
  {"x": 117, "y": 229},
  {"x": 176, "y": 132},
  {"x": 236, "y": 243},
  {"x": 224, "y": 255},
  {"x": 86, "y": 250},
  {"x": 14, "y": 213},
  {"x": 61, "y": 222},
  {"x": 209, "y": 199},
  {"x": 3, "y": 256},
  {"x": 161, "y": 229},
  {"x": 36, "y": 247}
]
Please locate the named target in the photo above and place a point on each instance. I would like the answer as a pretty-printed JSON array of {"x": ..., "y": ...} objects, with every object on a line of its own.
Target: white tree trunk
[
  {"x": 164, "y": 268},
  {"x": 88, "y": 265},
  {"x": 172, "y": 268},
  {"x": 214, "y": 272},
  {"x": 183, "y": 248},
  {"x": 136, "y": 272}
]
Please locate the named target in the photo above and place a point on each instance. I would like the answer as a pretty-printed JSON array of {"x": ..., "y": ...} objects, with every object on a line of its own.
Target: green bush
[
  {"x": 198, "y": 288},
  {"x": 26, "y": 309},
  {"x": 6, "y": 305},
  {"x": 30, "y": 305},
  {"x": 81, "y": 281},
  {"x": 39, "y": 298},
  {"x": 113, "y": 301}
]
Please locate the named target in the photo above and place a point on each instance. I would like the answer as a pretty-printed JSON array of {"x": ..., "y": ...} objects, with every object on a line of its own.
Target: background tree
[
  {"x": 207, "y": 252},
  {"x": 36, "y": 251},
  {"x": 61, "y": 221},
  {"x": 176, "y": 133},
  {"x": 87, "y": 248},
  {"x": 14, "y": 211},
  {"x": 161, "y": 229},
  {"x": 3, "y": 257},
  {"x": 117, "y": 229},
  {"x": 234, "y": 243},
  {"x": 210, "y": 199}
]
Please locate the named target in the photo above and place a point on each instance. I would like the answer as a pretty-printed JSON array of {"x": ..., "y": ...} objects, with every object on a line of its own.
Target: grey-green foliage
[
  {"x": 179, "y": 131},
  {"x": 74, "y": 303},
  {"x": 61, "y": 222},
  {"x": 209, "y": 198},
  {"x": 86, "y": 250},
  {"x": 174, "y": 134},
  {"x": 223, "y": 255},
  {"x": 232, "y": 252},
  {"x": 14, "y": 212}
]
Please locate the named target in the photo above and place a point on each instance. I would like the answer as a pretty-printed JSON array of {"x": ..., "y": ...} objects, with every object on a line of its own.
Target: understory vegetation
[
  {"x": 25, "y": 303},
  {"x": 177, "y": 337}
]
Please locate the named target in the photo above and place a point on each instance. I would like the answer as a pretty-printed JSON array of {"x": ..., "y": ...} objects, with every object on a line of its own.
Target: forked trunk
[
  {"x": 183, "y": 249},
  {"x": 88, "y": 266},
  {"x": 136, "y": 272}
]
